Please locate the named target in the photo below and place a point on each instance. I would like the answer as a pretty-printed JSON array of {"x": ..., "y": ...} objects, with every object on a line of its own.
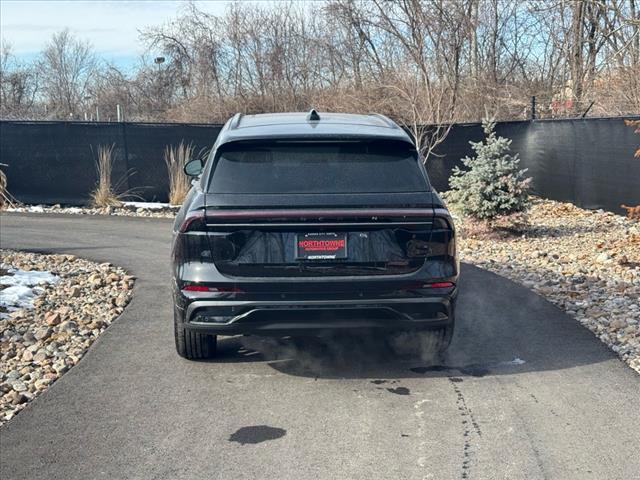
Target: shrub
[
  {"x": 104, "y": 195},
  {"x": 493, "y": 186},
  {"x": 175, "y": 159}
]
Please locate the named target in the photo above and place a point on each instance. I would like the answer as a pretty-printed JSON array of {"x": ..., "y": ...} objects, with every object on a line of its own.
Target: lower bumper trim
[{"x": 237, "y": 317}]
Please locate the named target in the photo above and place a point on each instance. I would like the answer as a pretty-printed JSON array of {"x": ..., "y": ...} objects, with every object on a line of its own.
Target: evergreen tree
[{"x": 493, "y": 185}]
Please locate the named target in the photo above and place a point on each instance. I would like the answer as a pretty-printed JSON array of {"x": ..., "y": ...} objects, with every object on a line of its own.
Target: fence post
[
  {"x": 533, "y": 107},
  {"x": 126, "y": 154}
]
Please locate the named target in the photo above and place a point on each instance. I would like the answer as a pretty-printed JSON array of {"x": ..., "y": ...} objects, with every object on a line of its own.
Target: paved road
[{"x": 347, "y": 410}]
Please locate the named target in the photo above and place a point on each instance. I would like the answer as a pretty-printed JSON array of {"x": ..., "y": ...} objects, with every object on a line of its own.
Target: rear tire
[{"x": 193, "y": 345}]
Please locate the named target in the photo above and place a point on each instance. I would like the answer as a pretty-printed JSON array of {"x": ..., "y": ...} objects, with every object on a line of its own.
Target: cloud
[{"x": 112, "y": 27}]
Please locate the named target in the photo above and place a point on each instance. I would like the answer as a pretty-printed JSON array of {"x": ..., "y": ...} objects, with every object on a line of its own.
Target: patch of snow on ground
[
  {"x": 30, "y": 209},
  {"x": 517, "y": 361},
  {"x": 73, "y": 210},
  {"x": 129, "y": 209},
  {"x": 18, "y": 296},
  {"x": 21, "y": 287},
  {"x": 148, "y": 205}
]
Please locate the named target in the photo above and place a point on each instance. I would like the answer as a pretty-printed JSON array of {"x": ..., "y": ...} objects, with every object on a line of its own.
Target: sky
[{"x": 111, "y": 26}]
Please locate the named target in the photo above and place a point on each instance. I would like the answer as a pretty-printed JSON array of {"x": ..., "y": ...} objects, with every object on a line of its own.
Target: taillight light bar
[
  {"x": 197, "y": 220},
  {"x": 194, "y": 220},
  {"x": 318, "y": 213}
]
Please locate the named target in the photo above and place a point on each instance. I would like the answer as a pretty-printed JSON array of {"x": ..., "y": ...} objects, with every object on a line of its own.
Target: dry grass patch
[
  {"x": 175, "y": 157},
  {"x": 104, "y": 195}
]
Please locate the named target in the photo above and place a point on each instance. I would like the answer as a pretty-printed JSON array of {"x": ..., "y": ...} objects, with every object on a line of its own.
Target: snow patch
[
  {"x": 22, "y": 287},
  {"x": 27, "y": 278},
  {"x": 30, "y": 209},
  {"x": 18, "y": 296},
  {"x": 515, "y": 361},
  {"x": 73, "y": 210},
  {"x": 150, "y": 205}
]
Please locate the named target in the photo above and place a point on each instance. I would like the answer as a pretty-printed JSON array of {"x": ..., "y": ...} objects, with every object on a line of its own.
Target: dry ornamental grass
[
  {"x": 175, "y": 159},
  {"x": 103, "y": 195}
]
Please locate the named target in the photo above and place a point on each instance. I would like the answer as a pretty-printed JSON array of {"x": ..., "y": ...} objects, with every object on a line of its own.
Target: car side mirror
[{"x": 193, "y": 168}]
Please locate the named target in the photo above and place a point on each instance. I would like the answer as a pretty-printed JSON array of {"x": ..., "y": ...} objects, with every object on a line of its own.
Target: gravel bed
[
  {"x": 40, "y": 342},
  {"x": 128, "y": 209},
  {"x": 585, "y": 262}
]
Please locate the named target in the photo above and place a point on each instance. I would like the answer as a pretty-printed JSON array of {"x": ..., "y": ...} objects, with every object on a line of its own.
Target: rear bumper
[{"x": 232, "y": 317}]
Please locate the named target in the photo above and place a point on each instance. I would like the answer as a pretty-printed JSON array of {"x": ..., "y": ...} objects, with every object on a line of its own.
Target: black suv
[{"x": 310, "y": 223}]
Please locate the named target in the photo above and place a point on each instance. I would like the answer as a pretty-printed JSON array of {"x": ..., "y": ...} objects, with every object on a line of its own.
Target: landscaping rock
[
  {"x": 52, "y": 318},
  {"x": 40, "y": 344},
  {"x": 74, "y": 292},
  {"x": 18, "y": 386},
  {"x": 42, "y": 333}
]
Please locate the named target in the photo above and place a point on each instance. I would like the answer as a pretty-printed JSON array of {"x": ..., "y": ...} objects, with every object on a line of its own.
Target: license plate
[{"x": 321, "y": 246}]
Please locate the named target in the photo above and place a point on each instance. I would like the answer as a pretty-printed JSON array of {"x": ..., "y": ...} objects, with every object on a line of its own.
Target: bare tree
[
  {"x": 67, "y": 66},
  {"x": 423, "y": 62},
  {"x": 432, "y": 36},
  {"x": 19, "y": 85}
]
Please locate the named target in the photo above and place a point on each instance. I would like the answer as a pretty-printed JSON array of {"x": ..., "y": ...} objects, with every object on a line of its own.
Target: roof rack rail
[
  {"x": 313, "y": 115},
  {"x": 385, "y": 119},
  {"x": 235, "y": 121}
]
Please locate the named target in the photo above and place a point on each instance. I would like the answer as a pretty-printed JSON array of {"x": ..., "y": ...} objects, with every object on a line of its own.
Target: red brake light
[
  {"x": 195, "y": 288},
  {"x": 205, "y": 288},
  {"x": 438, "y": 285}
]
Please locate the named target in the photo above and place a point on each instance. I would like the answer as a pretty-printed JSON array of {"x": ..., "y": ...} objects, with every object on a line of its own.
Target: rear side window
[{"x": 317, "y": 167}]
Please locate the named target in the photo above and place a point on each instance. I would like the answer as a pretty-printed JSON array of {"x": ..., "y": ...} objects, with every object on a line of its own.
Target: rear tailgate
[{"x": 312, "y": 242}]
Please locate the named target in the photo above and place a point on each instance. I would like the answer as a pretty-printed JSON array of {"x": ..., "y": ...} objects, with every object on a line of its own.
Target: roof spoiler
[{"x": 235, "y": 121}]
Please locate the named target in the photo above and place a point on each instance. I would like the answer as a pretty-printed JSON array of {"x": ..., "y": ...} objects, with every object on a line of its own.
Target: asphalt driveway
[{"x": 526, "y": 392}]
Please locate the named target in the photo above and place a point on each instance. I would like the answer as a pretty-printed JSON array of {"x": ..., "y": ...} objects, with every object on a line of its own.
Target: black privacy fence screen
[
  {"x": 55, "y": 162},
  {"x": 589, "y": 162}
]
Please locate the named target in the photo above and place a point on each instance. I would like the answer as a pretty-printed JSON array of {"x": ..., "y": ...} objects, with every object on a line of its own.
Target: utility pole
[{"x": 159, "y": 61}]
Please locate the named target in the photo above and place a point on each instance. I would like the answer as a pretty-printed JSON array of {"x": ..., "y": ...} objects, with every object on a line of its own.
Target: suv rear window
[{"x": 317, "y": 167}]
